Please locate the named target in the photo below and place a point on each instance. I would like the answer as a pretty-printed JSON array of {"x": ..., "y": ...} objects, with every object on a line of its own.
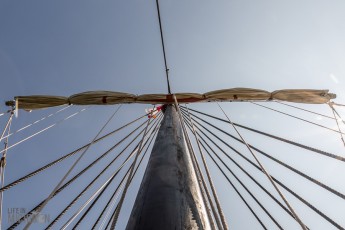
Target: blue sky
[{"x": 67, "y": 47}]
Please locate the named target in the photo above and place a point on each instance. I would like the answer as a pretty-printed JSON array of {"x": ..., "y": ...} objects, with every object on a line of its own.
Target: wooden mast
[{"x": 169, "y": 196}]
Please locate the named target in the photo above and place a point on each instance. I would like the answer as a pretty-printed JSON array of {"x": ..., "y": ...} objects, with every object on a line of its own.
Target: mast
[{"x": 169, "y": 196}]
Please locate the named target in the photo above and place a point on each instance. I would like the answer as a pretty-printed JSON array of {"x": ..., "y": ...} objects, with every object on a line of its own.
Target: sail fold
[{"x": 309, "y": 96}]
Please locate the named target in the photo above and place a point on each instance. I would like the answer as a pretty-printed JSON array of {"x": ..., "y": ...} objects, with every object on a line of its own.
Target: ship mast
[{"x": 169, "y": 196}]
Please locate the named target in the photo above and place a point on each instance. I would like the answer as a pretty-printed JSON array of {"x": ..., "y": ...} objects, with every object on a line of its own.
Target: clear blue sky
[{"x": 66, "y": 47}]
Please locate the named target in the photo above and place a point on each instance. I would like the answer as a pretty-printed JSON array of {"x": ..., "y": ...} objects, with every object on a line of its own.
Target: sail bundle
[{"x": 309, "y": 96}]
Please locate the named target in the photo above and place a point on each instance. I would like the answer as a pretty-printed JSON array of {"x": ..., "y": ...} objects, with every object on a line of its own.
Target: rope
[
  {"x": 119, "y": 188},
  {"x": 298, "y": 118},
  {"x": 233, "y": 186},
  {"x": 94, "y": 180},
  {"x": 100, "y": 189},
  {"x": 128, "y": 181},
  {"x": 220, "y": 211},
  {"x": 280, "y": 183},
  {"x": 50, "y": 126},
  {"x": 195, "y": 163},
  {"x": 264, "y": 170},
  {"x": 279, "y": 162},
  {"x": 244, "y": 171},
  {"x": 292, "y": 106},
  {"x": 69, "y": 171},
  {"x": 105, "y": 207},
  {"x": 337, "y": 104},
  {"x": 203, "y": 186},
  {"x": 112, "y": 178},
  {"x": 37, "y": 121},
  {"x": 112, "y": 217},
  {"x": 336, "y": 120},
  {"x": 24, "y": 178},
  {"x": 66, "y": 184},
  {"x": 274, "y": 137},
  {"x": 162, "y": 40},
  {"x": 2, "y": 167},
  {"x": 250, "y": 193},
  {"x": 85, "y": 204},
  {"x": 6, "y": 126},
  {"x": 331, "y": 104},
  {"x": 112, "y": 205}
]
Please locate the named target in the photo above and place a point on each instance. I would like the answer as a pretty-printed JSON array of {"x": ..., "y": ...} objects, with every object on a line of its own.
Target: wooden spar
[{"x": 169, "y": 196}]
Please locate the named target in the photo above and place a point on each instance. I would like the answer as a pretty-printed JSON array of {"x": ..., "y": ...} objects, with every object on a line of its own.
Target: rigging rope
[
  {"x": 220, "y": 211},
  {"x": 162, "y": 40},
  {"x": 277, "y": 181},
  {"x": 99, "y": 174},
  {"x": 22, "y": 179},
  {"x": 278, "y": 161},
  {"x": 298, "y": 118},
  {"x": 249, "y": 192},
  {"x": 274, "y": 137},
  {"x": 6, "y": 126},
  {"x": 264, "y": 170},
  {"x": 244, "y": 171},
  {"x": 292, "y": 106},
  {"x": 103, "y": 186},
  {"x": 113, "y": 224},
  {"x": 202, "y": 184},
  {"x": 337, "y": 104},
  {"x": 195, "y": 163},
  {"x": 120, "y": 187},
  {"x": 250, "y": 208},
  {"x": 3, "y": 165},
  {"x": 332, "y": 106},
  {"x": 336, "y": 120},
  {"x": 70, "y": 170},
  {"x": 95, "y": 201},
  {"x": 50, "y": 126},
  {"x": 69, "y": 182},
  {"x": 37, "y": 121}
]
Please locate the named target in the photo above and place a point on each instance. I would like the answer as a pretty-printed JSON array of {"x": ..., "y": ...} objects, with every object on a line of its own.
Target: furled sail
[{"x": 309, "y": 96}]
